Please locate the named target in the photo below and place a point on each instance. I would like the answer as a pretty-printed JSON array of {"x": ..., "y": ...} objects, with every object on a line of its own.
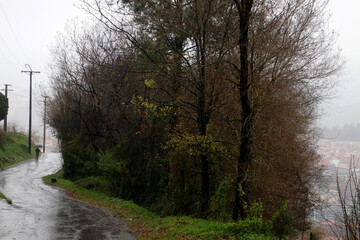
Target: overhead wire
[
  {"x": 11, "y": 53},
  {"x": 14, "y": 34},
  {"x": 20, "y": 95},
  {"x": 9, "y": 61}
]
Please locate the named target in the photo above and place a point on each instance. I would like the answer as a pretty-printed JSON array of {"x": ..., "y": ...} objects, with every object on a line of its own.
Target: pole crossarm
[{"x": 31, "y": 72}]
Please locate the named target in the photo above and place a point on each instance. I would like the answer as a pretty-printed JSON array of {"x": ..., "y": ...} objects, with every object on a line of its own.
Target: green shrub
[
  {"x": 255, "y": 237},
  {"x": 79, "y": 159},
  {"x": 254, "y": 227},
  {"x": 114, "y": 169},
  {"x": 3, "y": 136},
  {"x": 281, "y": 223},
  {"x": 253, "y": 224},
  {"x": 99, "y": 184},
  {"x": 220, "y": 206}
]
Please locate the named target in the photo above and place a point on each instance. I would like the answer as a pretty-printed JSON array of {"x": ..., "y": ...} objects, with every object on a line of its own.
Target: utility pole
[
  {"x": 30, "y": 72},
  {"x": 6, "y": 95},
  {"x": 44, "y": 123}
]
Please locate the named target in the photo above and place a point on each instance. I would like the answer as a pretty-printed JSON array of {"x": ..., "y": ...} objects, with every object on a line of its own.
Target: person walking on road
[{"x": 37, "y": 152}]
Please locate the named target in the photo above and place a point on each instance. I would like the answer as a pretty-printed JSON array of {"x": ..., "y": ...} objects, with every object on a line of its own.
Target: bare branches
[{"x": 349, "y": 199}]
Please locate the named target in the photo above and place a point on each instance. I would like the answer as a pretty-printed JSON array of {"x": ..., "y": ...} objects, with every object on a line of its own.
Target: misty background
[{"x": 28, "y": 31}]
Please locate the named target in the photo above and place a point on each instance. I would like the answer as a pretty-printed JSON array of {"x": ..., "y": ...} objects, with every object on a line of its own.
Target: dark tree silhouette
[{"x": 4, "y": 106}]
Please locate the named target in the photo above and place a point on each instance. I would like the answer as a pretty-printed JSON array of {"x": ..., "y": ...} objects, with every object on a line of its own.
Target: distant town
[{"x": 336, "y": 158}]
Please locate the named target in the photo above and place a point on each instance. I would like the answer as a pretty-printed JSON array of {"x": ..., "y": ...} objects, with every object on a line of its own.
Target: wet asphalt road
[{"x": 42, "y": 212}]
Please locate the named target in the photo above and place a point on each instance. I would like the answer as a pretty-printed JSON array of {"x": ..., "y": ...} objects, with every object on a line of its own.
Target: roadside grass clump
[
  {"x": 4, "y": 197},
  {"x": 14, "y": 149},
  {"x": 3, "y": 136},
  {"x": 147, "y": 225}
]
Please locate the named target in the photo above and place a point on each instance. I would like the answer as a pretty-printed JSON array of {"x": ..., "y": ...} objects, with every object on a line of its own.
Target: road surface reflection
[{"x": 42, "y": 212}]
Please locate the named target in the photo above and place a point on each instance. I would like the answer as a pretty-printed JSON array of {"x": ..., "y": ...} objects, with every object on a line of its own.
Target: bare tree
[
  {"x": 94, "y": 81},
  {"x": 349, "y": 198},
  {"x": 290, "y": 57}
]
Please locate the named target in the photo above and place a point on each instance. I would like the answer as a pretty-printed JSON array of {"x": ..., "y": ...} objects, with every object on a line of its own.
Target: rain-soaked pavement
[{"x": 42, "y": 212}]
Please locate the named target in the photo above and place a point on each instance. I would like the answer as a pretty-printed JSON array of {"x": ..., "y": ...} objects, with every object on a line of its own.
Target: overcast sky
[
  {"x": 28, "y": 29},
  {"x": 344, "y": 19},
  {"x": 345, "y": 108}
]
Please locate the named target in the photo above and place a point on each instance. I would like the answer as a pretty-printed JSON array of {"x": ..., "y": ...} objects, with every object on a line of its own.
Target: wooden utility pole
[
  {"x": 6, "y": 95},
  {"x": 44, "y": 123},
  {"x": 30, "y": 72}
]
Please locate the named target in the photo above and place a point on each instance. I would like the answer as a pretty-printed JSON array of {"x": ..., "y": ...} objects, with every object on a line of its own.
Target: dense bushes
[{"x": 79, "y": 159}]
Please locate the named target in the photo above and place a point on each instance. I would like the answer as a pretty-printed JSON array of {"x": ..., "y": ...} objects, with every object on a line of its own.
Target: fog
[
  {"x": 344, "y": 107},
  {"x": 28, "y": 30}
]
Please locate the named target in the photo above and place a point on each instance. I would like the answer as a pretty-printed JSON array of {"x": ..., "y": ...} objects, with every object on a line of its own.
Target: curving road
[{"x": 42, "y": 212}]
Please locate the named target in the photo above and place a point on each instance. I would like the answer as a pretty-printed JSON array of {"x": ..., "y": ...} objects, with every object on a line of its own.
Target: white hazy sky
[
  {"x": 28, "y": 29},
  {"x": 345, "y": 107}
]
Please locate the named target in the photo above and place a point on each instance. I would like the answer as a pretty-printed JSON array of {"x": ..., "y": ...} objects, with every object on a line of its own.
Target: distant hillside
[
  {"x": 348, "y": 132},
  {"x": 340, "y": 115},
  {"x": 13, "y": 149}
]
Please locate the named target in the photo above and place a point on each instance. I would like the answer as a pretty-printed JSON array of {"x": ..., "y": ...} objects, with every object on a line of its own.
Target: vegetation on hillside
[
  {"x": 4, "y": 106},
  {"x": 199, "y": 108},
  {"x": 147, "y": 225},
  {"x": 13, "y": 149}
]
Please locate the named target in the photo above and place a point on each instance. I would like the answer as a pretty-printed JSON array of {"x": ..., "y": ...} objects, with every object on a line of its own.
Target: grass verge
[
  {"x": 14, "y": 149},
  {"x": 4, "y": 197},
  {"x": 147, "y": 225}
]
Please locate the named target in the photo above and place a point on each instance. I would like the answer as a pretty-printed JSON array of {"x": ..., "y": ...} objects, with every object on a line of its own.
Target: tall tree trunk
[
  {"x": 202, "y": 121},
  {"x": 244, "y": 158}
]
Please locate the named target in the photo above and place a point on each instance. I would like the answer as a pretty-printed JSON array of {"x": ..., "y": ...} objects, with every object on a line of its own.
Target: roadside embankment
[
  {"x": 13, "y": 150},
  {"x": 147, "y": 225}
]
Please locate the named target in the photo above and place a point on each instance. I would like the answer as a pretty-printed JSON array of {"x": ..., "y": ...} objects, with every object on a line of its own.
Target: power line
[
  {"x": 19, "y": 95},
  {"x": 8, "y": 60},
  {"x": 13, "y": 55},
  {"x": 13, "y": 32}
]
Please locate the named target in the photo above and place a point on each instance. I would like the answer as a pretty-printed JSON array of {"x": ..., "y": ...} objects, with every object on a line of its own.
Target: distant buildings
[
  {"x": 51, "y": 142},
  {"x": 335, "y": 158}
]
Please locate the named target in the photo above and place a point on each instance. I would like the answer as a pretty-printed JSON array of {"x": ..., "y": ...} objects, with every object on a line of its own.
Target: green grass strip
[
  {"x": 4, "y": 197},
  {"x": 14, "y": 149},
  {"x": 147, "y": 225}
]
